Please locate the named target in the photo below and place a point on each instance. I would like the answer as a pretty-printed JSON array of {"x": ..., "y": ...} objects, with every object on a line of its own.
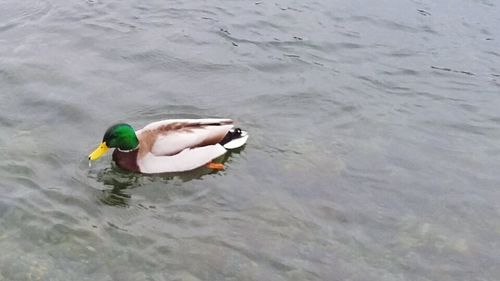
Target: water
[{"x": 373, "y": 153}]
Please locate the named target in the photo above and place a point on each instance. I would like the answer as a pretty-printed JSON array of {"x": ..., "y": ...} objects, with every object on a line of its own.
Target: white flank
[
  {"x": 186, "y": 160},
  {"x": 176, "y": 141}
]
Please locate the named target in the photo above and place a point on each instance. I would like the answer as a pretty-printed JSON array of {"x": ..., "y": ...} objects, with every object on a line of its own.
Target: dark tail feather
[
  {"x": 235, "y": 138},
  {"x": 231, "y": 135}
]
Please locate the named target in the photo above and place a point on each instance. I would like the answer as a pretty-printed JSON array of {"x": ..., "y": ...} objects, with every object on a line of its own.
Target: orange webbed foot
[{"x": 215, "y": 166}]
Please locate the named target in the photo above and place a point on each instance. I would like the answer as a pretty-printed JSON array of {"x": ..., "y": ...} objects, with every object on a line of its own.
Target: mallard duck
[{"x": 174, "y": 145}]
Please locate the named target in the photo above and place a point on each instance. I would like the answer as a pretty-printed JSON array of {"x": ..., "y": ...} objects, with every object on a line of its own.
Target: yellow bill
[{"x": 98, "y": 152}]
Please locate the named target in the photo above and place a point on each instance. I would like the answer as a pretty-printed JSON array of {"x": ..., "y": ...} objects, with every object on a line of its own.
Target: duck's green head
[{"x": 121, "y": 136}]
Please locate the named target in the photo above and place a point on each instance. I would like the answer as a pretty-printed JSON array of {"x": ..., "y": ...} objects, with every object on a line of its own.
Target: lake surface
[{"x": 373, "y": 153}]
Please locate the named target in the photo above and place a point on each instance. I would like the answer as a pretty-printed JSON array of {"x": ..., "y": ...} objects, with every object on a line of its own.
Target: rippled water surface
[{"x": 373, "y": 154}]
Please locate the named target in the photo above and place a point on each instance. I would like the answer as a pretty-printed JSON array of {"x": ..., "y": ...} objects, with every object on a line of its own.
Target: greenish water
[{"x": 373, "y": 153}]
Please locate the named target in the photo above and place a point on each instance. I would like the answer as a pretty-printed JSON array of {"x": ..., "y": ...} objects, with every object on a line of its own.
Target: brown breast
[{"x": 126, "y": 160}]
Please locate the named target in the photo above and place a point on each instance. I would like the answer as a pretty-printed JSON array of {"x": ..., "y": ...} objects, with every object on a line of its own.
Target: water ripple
[
  {"x": 21, "y": 13},
  {"x": 374, "y": 140}
]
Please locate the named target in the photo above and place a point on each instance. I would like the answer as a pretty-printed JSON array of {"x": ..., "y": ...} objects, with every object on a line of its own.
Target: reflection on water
[
  {"x": 374, "y": 149},
  {"x": 118, "y": 183}
]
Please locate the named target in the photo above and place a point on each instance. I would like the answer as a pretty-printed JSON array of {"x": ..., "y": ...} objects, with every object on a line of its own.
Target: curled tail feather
[{"x": 235, "y": 138}]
